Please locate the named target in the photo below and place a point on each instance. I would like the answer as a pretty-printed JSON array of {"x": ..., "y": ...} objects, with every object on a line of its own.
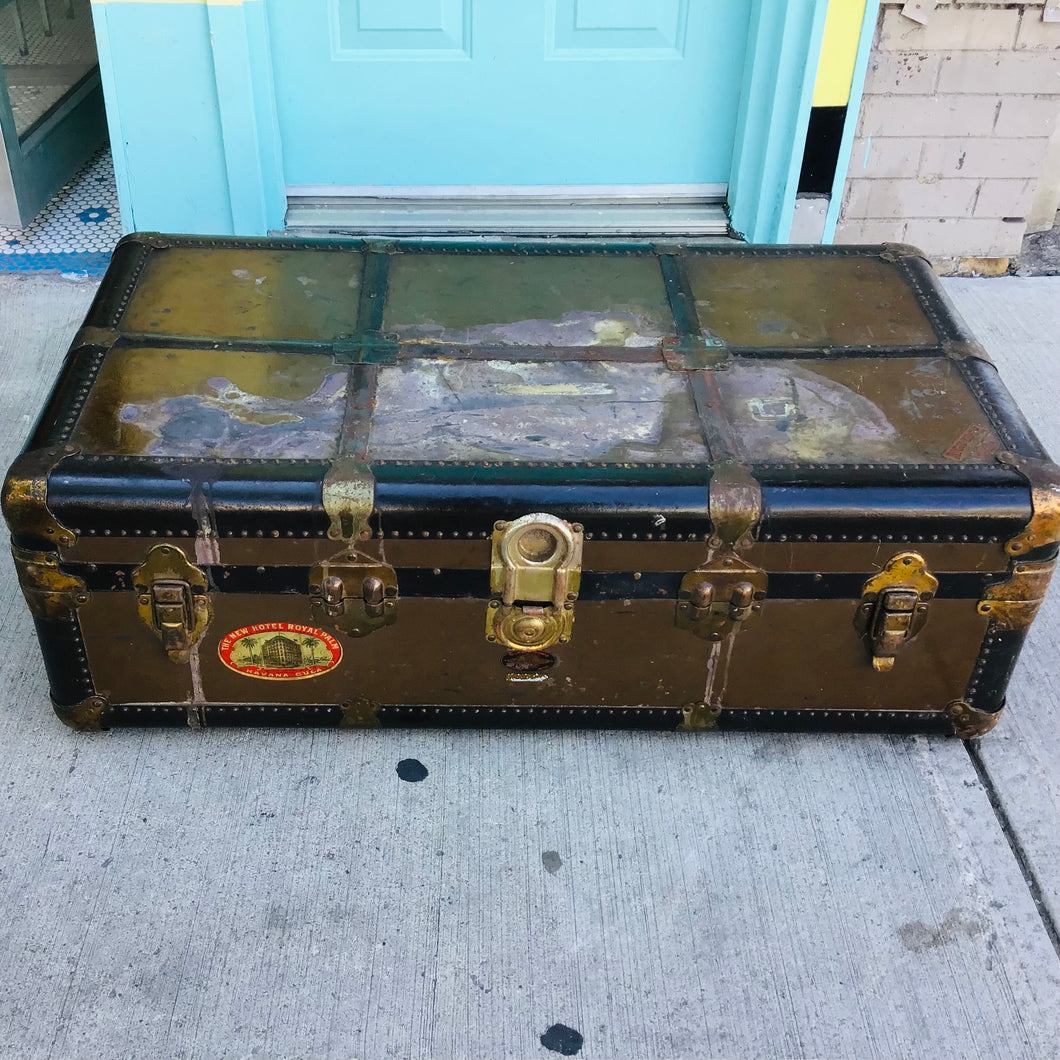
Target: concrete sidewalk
[{"x": 284, "y": 894}]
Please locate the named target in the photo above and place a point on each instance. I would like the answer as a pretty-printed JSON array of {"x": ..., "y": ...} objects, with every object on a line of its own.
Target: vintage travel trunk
[{"x": 356, "y": 483}]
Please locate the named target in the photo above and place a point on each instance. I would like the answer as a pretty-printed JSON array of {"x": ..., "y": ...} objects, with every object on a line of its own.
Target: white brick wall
[{"x": 954, "y": 129}]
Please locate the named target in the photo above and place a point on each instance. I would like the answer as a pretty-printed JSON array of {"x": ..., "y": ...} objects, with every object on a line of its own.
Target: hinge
[
  {"x": 354, "y": 593},
  {"x": 1044, "y": 479},
  {"x": 25, "y": 496},
  {"x": 173, "y": 599},
  {"x": 725, "y": 592},
  {"x": 721, "y": 597},
  {"x": 1012, "y": 604},
  {"x": 360, "y": 713},
  {"x": 351, "y": 592},
  {"x": 894, "y": 607},
  {"x": 535, "y": 574},
  {"x": 349, "y": 499},
  {"x": 698, "y": 717},
  {"x": 51, "y": 593},
  {"x": 734, "y": 504}
]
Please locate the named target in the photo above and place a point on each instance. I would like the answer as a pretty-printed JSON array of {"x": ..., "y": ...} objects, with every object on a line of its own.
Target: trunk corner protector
[
  {"x": 51, "y": 594},
  {"x": 25, "y": 496},
  {"x": 1012, "y": 604},
  {"x": 86, "y": 716},
  {"x": 965, "y": 349},
  {"x": 969, "y": 723},
  {"x": 898, "y": 252},
  {"x": 90, "y": 335},
  {"x": 153, "y": 240},
  {"x": 1044, "y": 479}
]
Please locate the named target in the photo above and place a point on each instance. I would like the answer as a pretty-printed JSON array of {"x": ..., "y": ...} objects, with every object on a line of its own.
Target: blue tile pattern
[{"x": 75, "y": 232}]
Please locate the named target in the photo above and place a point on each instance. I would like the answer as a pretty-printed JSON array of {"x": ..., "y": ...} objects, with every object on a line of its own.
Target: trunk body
[{"x": 529, "y": 484}]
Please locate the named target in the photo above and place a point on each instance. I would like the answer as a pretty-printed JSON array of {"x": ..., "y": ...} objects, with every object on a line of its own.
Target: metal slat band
[
  {"x": 714, "y": 424},
  {"x": 694, "y": 348},
  {"x": 348, "y": 489},
  {"x": 368, "y": 345}
]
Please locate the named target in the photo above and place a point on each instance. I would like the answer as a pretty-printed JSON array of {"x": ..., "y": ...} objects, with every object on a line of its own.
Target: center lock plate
[{"x": 535, "y": 572}]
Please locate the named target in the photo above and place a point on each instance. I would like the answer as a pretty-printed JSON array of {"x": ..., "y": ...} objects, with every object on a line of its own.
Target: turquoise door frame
[{"x": 191, "y": 106}]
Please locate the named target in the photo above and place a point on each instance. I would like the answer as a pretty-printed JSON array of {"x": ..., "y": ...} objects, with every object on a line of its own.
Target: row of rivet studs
[
  {"x": 603, "y": 536},
  {"x": 980, "y": 665},
  {"x": 84, "y": 675}
]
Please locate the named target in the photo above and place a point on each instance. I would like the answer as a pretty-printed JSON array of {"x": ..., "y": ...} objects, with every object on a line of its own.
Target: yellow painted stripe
[{"x": 842, "y": 31}]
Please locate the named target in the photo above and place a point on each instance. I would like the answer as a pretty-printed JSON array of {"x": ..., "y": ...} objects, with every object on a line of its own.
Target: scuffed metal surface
[
  {"x": 577, "y": 328},
  {"x": 214, "y": 403},
  {"x": 853, "y": 411},
  {"x": 225, "y": 421},
  {"x": 596, "y": 411},
  {"x": 527, "y": 300}
]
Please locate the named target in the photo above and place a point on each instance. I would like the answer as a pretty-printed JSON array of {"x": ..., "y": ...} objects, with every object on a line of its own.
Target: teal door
[
  {"x": 508, "y": 94},
  {"x": 225, "y": 115}
]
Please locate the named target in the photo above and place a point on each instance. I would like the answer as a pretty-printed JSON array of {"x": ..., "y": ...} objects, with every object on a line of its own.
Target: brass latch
[
  {"x": 172, "y": 596},
  {"x": 894, "y": 606},
  {"x": 718, "y": 599},
  {"x": 535, "y": 572},
  {"x": 354, "y": 593}
]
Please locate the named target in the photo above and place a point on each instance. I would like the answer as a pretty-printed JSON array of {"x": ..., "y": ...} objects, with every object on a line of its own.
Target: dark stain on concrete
[
  {"x": 918, "y": 937},
  {"x": 412, "y": 770},
  {"x": 562, "y": 1039}
]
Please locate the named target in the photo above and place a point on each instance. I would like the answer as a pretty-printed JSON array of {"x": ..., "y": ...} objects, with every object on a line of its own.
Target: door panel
[
  {"x": 490, "y": 92},
  {"x": 410, "y": 29},
  {"x": 631, "y": 29}
]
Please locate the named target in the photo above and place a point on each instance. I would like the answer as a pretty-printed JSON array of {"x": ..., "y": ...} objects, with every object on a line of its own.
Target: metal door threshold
[{"x": 497, "y": 216}]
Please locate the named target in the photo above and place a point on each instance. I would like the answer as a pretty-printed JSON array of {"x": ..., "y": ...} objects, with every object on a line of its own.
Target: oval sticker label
[{"x": 280, "y": 651}]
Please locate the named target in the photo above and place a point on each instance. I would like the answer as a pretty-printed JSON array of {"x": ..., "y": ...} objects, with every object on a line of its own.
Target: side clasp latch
[
  {"x": 354, "y": 593},
  {"x": 535, "y": 573},
  {"x": 173, "y": 599},
  {"x": 894, "y": 607},
  {"x": 718, "y": 599}
]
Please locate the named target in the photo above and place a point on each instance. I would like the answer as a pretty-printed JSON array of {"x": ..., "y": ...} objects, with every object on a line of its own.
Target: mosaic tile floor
[{"x": 75, "y": 232}]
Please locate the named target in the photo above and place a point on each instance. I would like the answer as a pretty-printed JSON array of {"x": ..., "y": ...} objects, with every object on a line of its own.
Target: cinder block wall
[{"x": 953, "y": 137}]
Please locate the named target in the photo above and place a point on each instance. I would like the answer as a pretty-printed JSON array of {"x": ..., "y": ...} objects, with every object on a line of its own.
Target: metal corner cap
[
  {"x": 154, "y": 240},
  {"x": 969, "y": 723},
  {"x": 902, "y": 252},
  {"x": 24, "y": 497},
  {"x": 86, "y": 716},
  {"x": 1044, "y": 479},
  {"x": 966, "y": 349}
]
